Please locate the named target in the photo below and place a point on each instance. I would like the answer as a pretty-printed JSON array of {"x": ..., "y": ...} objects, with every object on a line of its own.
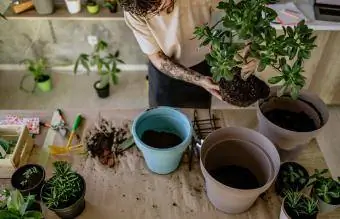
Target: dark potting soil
[
  {"x": 235, "y": 177},
  {"x": 293, "y": 121},
  {"x": 42, "y": 78},
  {"x": 160, "y": 139},
  {"x": 243, "y": 93},
  {"x": 33, "y": 181}
]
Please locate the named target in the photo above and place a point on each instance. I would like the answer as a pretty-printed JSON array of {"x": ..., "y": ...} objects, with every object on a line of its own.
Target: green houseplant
[
  {"x": 14, "y": 206},
  {"x": 64, "y": 192},
  {"x": 296, "y": 205},
  {"x": 38, "y": 70},
  {"x": 326, "y": 189},
  {"x": 112, "y": 5},
  {"x": 106, "y": 66},
  {"x": 249, "y": 22},
  {"x": 292, "y": 177},
  {"x": 92, "y": 6}
]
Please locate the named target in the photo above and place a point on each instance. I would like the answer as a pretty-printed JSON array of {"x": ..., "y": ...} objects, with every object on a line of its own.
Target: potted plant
[
  {"x": 73, "y": 6},
  {"x": 112, "y": 5},
  {"x": 29, "y": 179},
  {"x": 298, "y": 206},
  {"x": 250, "y": 22},
  {"x": 64, "y": 192},
  {"x": 37, "y": 70},
  {"x": 326, "y": 190},
  {"x": 14, "y": 206},
  {"x": 106, "y": 65},
  {"x": 92, "y": 6},
  {"x": 292, "y": 177}
]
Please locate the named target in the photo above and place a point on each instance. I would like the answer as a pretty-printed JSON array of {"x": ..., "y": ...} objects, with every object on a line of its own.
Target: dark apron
[{"x": 167, "y": 91}]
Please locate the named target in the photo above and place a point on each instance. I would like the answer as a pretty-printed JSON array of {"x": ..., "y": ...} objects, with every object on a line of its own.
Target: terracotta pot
[
  {"x": 241, "y": 147},
  {"x": 325, "y": 207},
  {"x": 285, "y": 139}
]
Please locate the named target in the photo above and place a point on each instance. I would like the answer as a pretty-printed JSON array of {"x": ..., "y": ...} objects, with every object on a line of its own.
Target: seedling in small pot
[
  {"x": 28, "y": 179},
  {"x": 106, "y": 66},
  {"x": 292, "y": 176},
  {"x": 17, "y": 206},
  {"x": 64, "y": 192},
  {"x": 38, "y": 70},
  {"x": 92, "y": 6},
  {"x": 298, "y": 206},
  {"x": 245, "y": 34},
  {"x": 326, "y": 189}
]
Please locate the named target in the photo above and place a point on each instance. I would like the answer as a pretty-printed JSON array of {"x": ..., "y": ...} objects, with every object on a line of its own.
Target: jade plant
[
  {"x": 325, "y": 187},
  {"x": 63, "y": 188},
  {"x": 246, "y": 26},
  {"x": 105, "y": 63},
  {"x": 298, "y": 205},
  {"x": 14, "y": 206}
]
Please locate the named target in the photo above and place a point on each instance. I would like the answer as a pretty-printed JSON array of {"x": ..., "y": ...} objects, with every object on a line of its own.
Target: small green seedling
[
  {"x": 28, "y": 174},
  {"x": 292, "y": 176},
  {"x": 301, "y": 204}
]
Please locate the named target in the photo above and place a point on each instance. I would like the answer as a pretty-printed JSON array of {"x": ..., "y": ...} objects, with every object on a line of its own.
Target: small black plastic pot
[
  {"x": 34, "y": 185},
  {"x": 102, "y": 92},
  {"x": 73, "y": 210},
  {"x": 281, "y": 187}
]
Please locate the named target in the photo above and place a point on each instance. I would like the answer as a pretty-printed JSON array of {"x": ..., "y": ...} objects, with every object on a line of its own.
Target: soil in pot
[
  {"x": 293, "y": 121},
  {"x": 291, "y": 213},
  {"x": 29, "y": 179},
  {"x": 236, "y": 177},
  {"x": 42, "y": 78},
  {"x": 243, "y": 93},
  {"x": 160, "y": 139},
  {"x": 281, "y": 186},
  {"x": 102, "y": 92}
]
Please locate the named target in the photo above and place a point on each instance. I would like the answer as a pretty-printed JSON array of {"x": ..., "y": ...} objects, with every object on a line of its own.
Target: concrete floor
[{"x": 77, "y": 92}]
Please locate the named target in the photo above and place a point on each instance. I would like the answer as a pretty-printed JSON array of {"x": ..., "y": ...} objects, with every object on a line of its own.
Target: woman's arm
[{"x": 169, "y": 67}]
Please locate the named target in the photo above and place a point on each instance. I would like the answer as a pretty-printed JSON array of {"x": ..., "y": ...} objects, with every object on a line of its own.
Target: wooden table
[{"x": 130, "y": 190}]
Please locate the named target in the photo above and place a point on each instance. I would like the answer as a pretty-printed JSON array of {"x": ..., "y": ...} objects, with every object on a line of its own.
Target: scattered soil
[
  {"x": 174, "y": 204},
  {"x": 243, "y": 93},
  {"x": 160, "y": 139},
  {"x": 103, "y": 142},
  {"x": 293, "y": 121},
  {"x": 235, "y": 177}
]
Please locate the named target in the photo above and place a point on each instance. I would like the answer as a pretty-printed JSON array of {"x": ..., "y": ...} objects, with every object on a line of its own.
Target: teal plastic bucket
[{"x": 166, "y": 119}]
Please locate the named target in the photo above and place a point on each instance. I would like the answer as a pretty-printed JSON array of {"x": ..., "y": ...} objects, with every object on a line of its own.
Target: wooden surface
[
  {"x": 61, "y": 13},
  {"x": 130, "y": 190}
]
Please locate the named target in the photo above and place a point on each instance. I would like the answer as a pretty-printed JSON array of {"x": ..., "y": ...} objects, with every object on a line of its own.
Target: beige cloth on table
[{"x": 173, "y": 33}]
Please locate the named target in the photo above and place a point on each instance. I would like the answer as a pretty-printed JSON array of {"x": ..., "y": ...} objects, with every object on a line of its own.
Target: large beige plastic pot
[
  {"x": 287, "y": 140},
  {"x": 242, "y": 147}
]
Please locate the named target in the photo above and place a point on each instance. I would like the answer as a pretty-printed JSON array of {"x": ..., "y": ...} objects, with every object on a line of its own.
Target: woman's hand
[{"x": 207, "y": 83}]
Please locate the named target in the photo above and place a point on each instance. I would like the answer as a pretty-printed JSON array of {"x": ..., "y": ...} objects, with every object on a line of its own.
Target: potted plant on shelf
[
  {"x": 29, "y": 179},
  {"x": 298, "y": 206},
  {"x": 37, "y": 70},
  {"x": 64, "y": 192},
  {"x": 112, "y": 5},
  {"x": 292, "y": 177},
  {"x": 92, "y": 6},
  {"x": 73, "y": 6},
  {"x": 326, "y": 190},
  {"x": 14, "y": 206},
  {"x": 106, "y": 64}
]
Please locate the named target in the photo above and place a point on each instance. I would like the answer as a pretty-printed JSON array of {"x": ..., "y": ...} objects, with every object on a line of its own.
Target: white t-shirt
[{"x": 173, "y": 33}]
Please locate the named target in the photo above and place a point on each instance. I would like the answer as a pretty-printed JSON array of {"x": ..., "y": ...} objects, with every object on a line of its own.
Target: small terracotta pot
[
  {"x": 285, "y": 139},
  {"x": 241, "y": 147},
  {"x": 325, "y": 207}
]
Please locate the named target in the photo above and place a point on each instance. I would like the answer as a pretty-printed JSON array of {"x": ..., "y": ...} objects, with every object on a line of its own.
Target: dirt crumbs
[
  {"x": 293, "y": 121},
  {"x": 174, "y": 204},
  {"x": 235, "y": 176},
  {"x": 103, "y": 139},
  {"x": 243, "y": 93},
  {"x": 160, "y": 139}
]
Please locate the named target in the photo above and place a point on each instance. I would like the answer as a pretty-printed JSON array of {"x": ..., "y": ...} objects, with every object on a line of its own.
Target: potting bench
[{"x": 130, "y": 190}]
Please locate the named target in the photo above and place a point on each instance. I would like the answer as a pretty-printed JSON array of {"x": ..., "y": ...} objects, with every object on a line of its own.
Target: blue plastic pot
[{"x": 166, "y": 119}]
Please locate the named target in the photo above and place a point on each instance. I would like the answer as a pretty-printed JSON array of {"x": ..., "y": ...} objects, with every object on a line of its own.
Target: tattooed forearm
[{"x": 175, "y": 70}]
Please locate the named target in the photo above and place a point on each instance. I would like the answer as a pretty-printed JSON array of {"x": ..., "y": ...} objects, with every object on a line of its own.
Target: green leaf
[
  {"x": 5, "y": 214},
  {"x": 33, "y": 215},
  {"x": 275, "y": 80},
  {"x": 294, "y": 92}
]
